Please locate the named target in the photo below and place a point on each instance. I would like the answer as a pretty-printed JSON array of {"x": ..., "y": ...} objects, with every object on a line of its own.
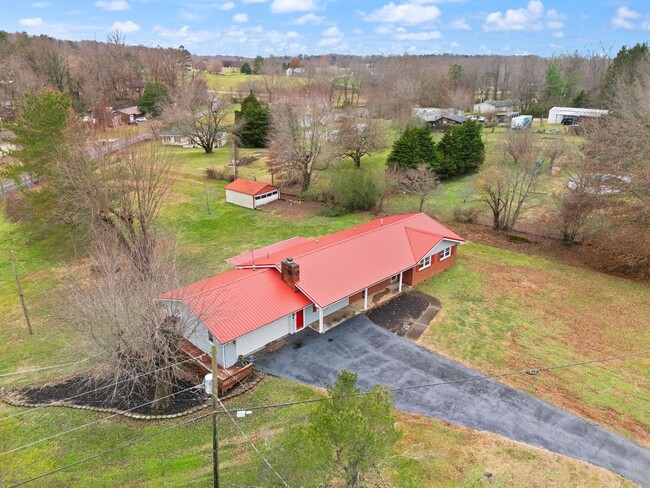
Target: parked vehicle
[{"x": 141, "y": 119}]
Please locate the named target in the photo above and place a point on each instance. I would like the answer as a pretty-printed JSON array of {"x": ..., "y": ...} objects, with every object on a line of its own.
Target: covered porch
[{"x": 359, "y": 303}]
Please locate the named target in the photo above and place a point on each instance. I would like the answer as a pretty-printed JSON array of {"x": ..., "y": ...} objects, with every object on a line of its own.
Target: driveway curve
[{"x": 379, "y": 357}]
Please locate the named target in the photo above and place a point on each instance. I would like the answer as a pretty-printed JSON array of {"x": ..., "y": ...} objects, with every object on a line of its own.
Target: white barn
[
  {"x": 251, "y": 194},
  {"x": 557, "y": 114}
]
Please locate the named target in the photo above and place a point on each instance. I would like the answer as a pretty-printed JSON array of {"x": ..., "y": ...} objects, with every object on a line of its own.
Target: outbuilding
[
  {"x": 561, "y": 115},
  {"x": 251, "y": 194}
]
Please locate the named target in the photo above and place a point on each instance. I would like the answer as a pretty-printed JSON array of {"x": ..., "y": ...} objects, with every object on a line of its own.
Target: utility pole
[
  {"x": 20, "y": 293},
  {"x": 215, "y": 429}
]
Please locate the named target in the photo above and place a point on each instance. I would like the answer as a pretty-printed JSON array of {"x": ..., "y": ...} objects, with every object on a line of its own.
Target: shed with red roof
[
  {"x": 281, "y": 288},
  {"x": 251, "y": 194}
]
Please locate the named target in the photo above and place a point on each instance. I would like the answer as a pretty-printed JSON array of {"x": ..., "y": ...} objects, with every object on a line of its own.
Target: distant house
[
  {"x": 494, "y": 106},
  {"x": 432, "y": 114},
  {"x": 298, "y": 283},
  {"x": 177, "y": 136},
  {"x": 129, "y": 114},
  {"x": 105, "y": 116},
  {"x": 251, "y": 194},
  {"x": 559, "y": 115},
  {"x": 295, "y": 71}
]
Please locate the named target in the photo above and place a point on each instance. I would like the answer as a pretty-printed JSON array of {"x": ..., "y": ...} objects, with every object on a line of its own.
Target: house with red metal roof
[
  {"x": 282, "y": 288},
  {"x": 251, "y": 194}
]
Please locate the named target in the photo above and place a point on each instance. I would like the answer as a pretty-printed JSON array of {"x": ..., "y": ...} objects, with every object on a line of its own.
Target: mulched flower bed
[
  {"x": 139, "y": 402},
  {"x": 407, "y": 314}
]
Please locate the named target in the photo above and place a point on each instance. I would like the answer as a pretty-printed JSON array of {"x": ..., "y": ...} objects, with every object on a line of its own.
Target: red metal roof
[
  {"x": 239, "y": 301},
  {"x": 263, "y": 252},
  {"x": 249, "y": 187},
  {"x": 338, "y": 265},
  {"x": 332, "y": 267}
]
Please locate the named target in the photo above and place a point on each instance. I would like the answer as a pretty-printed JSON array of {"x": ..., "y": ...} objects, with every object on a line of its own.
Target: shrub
[
  {"x": 352, "y": 190},
  {"x": 16, "y": 208},
  {"x": 221, "y": 174},
  {"x": 465, "y": 215}
]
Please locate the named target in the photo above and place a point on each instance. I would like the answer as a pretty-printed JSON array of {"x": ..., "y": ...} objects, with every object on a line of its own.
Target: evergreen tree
[
  {"x": 155, "y": 98},
  {"x": 461, "y": 150},
  {"x": 414, "y": 147},
  {"x": 626, "y": 68},
  {"x": 253, "y": 123},
  {"x": 258, "y": 64},
  {"x": 246, "y": 69}
]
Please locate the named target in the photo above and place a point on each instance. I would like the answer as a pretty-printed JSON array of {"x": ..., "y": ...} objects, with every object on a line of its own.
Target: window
[
  {"x": 393, "y": 279},
  {"x": 425, "y": 262},
  {"x": 445, "y": 253},
  {"x": 210, "y": 338}
]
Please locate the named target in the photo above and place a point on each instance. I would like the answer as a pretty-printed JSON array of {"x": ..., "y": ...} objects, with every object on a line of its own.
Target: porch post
[
  {"x": 400, "y": 281},
  {"x": 321, "y": 326},
  {"x": 365, "y": 299}
]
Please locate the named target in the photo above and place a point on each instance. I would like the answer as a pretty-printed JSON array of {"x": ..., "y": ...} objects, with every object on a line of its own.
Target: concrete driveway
[{"x": 379, "y": 357}]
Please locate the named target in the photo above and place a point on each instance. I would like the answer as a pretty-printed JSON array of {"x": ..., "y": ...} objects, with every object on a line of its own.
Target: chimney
[{"x": 290, "y": 272}]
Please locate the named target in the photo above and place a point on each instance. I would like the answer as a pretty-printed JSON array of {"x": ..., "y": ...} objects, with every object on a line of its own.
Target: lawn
[
  {"x": 501, "y": 311},
  {"x": 505, "y": 311}
]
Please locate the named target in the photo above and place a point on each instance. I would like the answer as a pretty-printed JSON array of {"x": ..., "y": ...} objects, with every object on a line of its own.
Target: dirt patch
[
  {"x": 292, "y": 207},
  {"x": 408, "y": 314}
]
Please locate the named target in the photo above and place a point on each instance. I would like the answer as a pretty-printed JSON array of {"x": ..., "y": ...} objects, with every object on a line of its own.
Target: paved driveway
[{"x": 380, "y": 357}]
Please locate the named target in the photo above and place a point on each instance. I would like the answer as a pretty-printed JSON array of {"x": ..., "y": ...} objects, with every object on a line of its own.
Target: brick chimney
[{"x": 290, "y": 272}]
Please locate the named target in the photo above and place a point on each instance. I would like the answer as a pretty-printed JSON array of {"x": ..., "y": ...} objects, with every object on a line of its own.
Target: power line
[
  {"x": 531, "y": 372},
  {"x": 26, "y": 371},
  {"x": 54, "y": 403},
  {"x": 251, "y": 443},
  {"x": 116, "y": 448},
  {"x": 59, "y": 434}
]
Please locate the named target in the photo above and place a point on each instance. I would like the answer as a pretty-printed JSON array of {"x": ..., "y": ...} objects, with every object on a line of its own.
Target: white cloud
[
  {"x": 332, "y": 32},
  {"x": 240, "y": 18},
  {"x": 126, "y": 27},
  {"x": 532, "y": 17},
  {"x": 255, "y": 1},
  {"x": 286, "y": 6},
  {"x": 554, "y": 46},
  {"x": 40, "y": 5},
  {"x": 357, "y": 31},
  {"x": 186, "y": 36},
  {"x": 329, "y": 41},
  {"x": 112, "y": 4},
  {"x": 558, "y": 35},
  {"x": 454, "y": 45},
  {"x": 404, "y": 13},
  {"x": 460, "y": 24},
  {"x": 226, "y": 6},
  {"x": 417, "y": 36},
  {"x": 624, "y": 18},
  {"x": 32, "y": 22},
  {"x": 309, "y": 19}
]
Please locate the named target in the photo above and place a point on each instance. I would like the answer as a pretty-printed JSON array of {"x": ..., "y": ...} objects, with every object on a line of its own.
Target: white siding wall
[
  {"x": 239, "y": 199},
  {"x": 311, "y": 316},
  {"x": 257, "y": 339},
  {"x": 264, "y": 201}
]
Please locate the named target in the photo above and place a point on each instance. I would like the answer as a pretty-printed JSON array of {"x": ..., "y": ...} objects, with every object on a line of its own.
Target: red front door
[{"x": 300, "y": 319}]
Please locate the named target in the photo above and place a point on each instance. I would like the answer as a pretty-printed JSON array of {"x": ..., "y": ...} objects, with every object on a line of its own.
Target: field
[{"x": 502, "y": 311}]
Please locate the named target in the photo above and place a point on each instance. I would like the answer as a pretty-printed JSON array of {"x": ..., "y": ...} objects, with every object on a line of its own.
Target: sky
[{"x": 362, "y": 27}]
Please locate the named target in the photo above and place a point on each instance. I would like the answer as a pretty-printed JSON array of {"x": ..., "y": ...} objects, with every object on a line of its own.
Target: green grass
[
  {"x": 499, "y": 308},
  {"x": 506, "y": 311}
]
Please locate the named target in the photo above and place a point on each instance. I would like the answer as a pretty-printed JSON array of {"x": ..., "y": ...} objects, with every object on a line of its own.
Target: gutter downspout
[{"x": 321, "y": 325}]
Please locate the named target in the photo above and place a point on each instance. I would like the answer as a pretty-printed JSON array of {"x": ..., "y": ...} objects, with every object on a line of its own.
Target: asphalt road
[{"x": 379, "y": 357}]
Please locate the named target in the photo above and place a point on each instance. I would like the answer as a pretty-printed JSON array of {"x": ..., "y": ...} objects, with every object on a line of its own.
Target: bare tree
[
  {"x": 300, "y": 137},
  {"x": 359, "y": 137},
  {"x": 200, "y": 115},
  {"x": 420, "y": 181},
  {"x": 507, "y": 185},
  {"x": 118, "y": 315},
  {"x": 578, "y": 204}
]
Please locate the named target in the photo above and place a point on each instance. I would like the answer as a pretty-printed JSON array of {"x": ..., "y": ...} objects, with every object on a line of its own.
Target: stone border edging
[{"x": 10, "y": 398}]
